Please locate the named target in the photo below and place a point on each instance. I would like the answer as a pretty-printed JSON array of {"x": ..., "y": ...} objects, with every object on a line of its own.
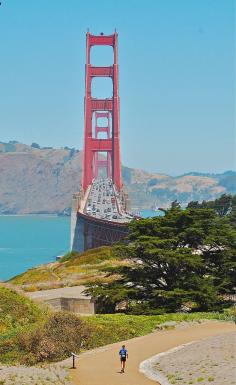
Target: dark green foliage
[
  {"x": 175, "y": 204},
  {"x": 222, "y": 205},
  {"x": 35, "y": 145},
  {"x": 186, "y": 258},
  {"x": 232, "y": 215}
]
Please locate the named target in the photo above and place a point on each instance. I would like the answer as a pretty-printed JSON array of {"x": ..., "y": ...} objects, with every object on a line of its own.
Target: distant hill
[{"x": 38, "y": 179}]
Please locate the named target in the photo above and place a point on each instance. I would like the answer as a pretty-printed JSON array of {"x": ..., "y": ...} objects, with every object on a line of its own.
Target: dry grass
[{"x": 74, "y": 269}]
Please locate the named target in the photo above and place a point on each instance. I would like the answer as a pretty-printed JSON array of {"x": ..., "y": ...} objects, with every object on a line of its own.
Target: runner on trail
[{"x": 123, "y": 356}]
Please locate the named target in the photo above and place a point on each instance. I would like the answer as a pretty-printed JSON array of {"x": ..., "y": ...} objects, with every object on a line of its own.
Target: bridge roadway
[
  {"x": 99, "y": 216},
  {"x": 104, "y": 202}
]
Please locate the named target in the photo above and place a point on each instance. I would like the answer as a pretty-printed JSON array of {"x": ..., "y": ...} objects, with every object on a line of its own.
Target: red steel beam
[
  {"x": 101, "y": 145},
  {"x": 102, "y": 115},
  {"x": 101, "y": 104},
  {"x": 102, "y": 129},
  {"x": 101, "y": 40},
  {"x": 100, "y": 71}
]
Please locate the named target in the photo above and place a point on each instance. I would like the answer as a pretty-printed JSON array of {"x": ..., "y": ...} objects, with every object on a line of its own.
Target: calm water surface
[
  {"x": 150, "y": 213},
  {"x": 27, "y": 241}
]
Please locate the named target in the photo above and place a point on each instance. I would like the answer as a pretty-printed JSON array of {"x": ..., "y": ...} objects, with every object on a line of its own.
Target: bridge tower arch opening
[
  {"x": 105, "y": 139},
  {"x": 102, "y": 161}
]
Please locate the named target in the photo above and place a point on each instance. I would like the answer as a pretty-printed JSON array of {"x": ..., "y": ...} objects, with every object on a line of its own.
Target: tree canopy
[{"x": 185, "y": 259}]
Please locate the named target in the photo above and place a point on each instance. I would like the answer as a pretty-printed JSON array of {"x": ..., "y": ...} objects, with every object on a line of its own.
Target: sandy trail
[{"x": 102, "y": 367}]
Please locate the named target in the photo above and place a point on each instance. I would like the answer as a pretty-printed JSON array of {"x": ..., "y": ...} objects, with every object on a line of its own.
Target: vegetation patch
[
  {"x": 31, "y": 333},
  {"x": 17, "y": 311},
  {"x": 72, "y": 270},
  {"x": 108, "y": 328},
  {"x": 182, "y": 261},
  {"x": 178, "y": 267}
]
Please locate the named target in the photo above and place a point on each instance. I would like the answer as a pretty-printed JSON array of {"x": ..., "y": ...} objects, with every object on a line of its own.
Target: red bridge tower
[{"x": 101, "y": 108}]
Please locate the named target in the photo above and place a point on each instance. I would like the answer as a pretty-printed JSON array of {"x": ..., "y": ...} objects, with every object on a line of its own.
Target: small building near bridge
[{"x": 67, "y": 298}]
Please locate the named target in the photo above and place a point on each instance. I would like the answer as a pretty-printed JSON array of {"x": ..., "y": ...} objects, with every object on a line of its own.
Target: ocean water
[
  {"x": 28, "y": 241},
  {"x": 150, "y": 213}
]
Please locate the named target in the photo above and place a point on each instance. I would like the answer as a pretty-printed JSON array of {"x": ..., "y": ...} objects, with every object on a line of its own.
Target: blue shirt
[{"x": 123, "y": 353}]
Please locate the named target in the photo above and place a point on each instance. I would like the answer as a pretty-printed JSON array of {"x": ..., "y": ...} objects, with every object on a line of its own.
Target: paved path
[{"x": 101, "y": 366}]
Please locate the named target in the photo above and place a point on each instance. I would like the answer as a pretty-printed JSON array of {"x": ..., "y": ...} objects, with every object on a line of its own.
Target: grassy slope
[
  {"x": 109, "y": 328},
  {"x": 74, "y": 269},
  {"x": 30, "y": 333},
  {"x": 17, "y": 311},
  {"x": 21, "y": 321},
  {"x": 18, "y": 314}
]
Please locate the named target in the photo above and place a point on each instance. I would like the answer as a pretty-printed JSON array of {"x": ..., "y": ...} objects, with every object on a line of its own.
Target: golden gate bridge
[{"x": 100, "y": 210}]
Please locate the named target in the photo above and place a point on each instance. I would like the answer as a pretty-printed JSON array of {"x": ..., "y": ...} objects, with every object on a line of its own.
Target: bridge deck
[
  {"x": 99, "y": 216},
  {"x": 103, "y": 202}
]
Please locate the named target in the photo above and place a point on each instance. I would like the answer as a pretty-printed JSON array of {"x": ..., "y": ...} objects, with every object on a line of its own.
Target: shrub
[
  {"x": 35, "y": 145},
  {"x": 60, "y": 335}
]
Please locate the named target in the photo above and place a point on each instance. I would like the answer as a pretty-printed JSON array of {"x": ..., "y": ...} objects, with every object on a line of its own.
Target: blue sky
[{"x": 176, "y": 77}]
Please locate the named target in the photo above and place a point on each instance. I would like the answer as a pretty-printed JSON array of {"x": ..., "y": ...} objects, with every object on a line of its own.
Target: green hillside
[
  {"x": 17, "y": 311},
  {"x": 31, "y": 334}
]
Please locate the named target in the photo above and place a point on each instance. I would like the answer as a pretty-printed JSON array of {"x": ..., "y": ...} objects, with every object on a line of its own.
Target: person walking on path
[{"x": 123, "y": 356}]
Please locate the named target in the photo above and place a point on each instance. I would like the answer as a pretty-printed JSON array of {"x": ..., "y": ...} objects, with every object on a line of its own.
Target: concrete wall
[
  {"x": 73, "y": 219},
  {"x": 78, "y": 236},
  {"x": 74, "y": 305},
  {"x": 81, "y": 306}
]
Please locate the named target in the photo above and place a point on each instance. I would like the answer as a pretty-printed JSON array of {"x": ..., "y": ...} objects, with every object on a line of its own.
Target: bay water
[{"x": 29, "y": 241}]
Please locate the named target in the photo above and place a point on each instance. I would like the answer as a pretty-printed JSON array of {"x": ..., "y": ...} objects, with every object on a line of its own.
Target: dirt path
[{"x": 101, "y": 366}]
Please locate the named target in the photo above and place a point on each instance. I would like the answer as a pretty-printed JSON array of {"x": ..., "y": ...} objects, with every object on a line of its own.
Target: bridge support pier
[{"x": 76, "y": 228}]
